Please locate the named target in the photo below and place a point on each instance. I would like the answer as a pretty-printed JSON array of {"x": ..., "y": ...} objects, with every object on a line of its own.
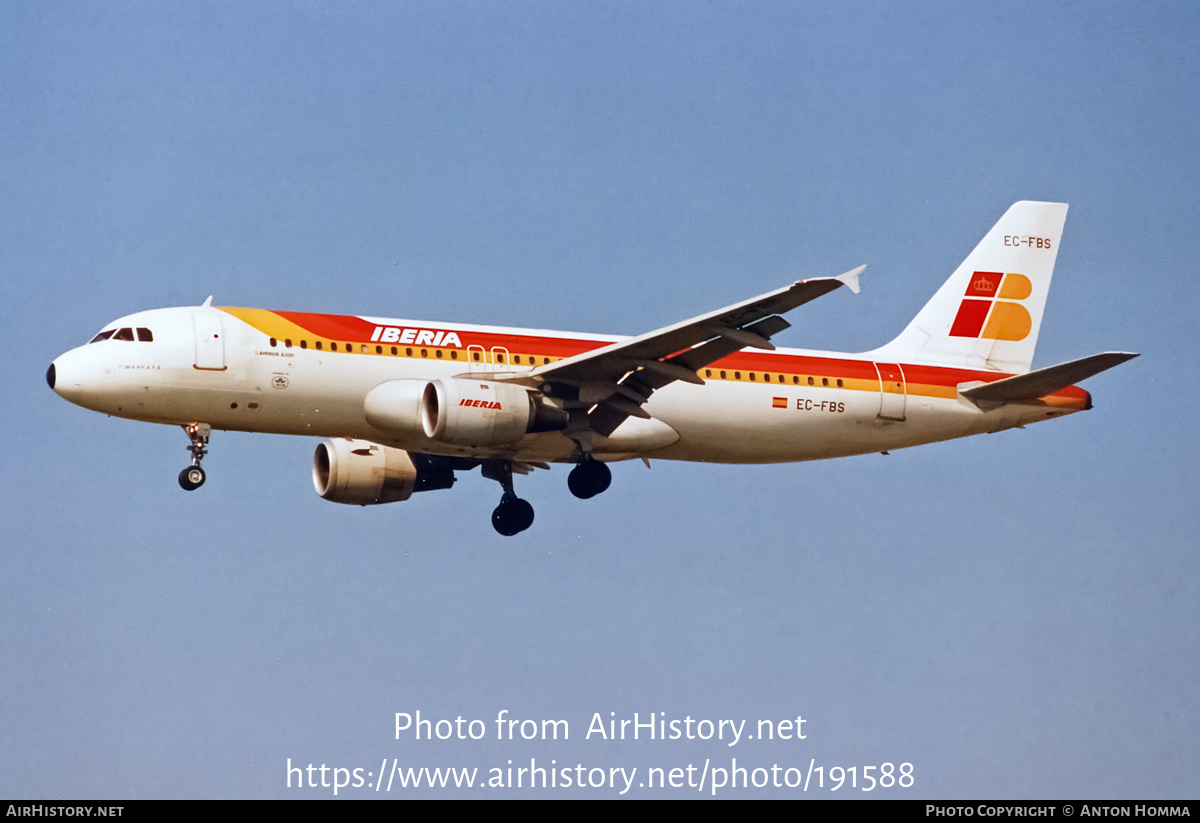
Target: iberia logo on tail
[{"x": 991, "y": 307}]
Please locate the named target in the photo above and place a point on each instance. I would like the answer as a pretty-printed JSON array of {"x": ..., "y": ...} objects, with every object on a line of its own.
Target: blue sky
[{"x": 1014, "y": 614}]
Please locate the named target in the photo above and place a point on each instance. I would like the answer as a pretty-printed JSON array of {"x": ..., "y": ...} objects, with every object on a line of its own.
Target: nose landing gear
[{"x": 193, "y": 477}]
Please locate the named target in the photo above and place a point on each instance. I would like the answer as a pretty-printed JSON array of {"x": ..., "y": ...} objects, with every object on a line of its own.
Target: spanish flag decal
[{"x": 779, "y": 402}]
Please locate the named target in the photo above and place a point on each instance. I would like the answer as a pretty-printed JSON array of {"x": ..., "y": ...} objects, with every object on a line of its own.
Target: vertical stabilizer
[{"x": 987, "y": 315}]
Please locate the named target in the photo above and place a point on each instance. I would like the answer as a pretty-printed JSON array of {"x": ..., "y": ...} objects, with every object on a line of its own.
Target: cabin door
[
  {"x": 210, "y": 340},
  {"x": 892, "y": 391}
]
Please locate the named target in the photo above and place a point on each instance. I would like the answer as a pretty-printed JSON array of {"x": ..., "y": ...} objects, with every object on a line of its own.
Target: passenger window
[
  {"x": 319, "y": 345},
  {"x": 304, "y": 344},
  {"x": 144, "y": 335},
  {"x": 333, "y": 346}
]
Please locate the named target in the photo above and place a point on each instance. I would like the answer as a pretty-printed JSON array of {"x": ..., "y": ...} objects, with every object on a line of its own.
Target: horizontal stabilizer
[{"x": 1046, "y": 381}]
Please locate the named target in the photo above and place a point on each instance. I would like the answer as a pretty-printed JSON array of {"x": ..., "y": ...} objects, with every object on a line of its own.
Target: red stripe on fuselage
[
  {"x": 331, "y": 326},
  {"x": 357, "y": 330}
]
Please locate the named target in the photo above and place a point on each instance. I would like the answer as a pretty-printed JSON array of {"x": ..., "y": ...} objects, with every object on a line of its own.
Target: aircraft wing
[{"x": 610, "y": 384}]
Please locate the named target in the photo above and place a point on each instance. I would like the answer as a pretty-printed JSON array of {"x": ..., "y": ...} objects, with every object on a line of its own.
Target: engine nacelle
[
  {"x": 363, "y": 473},
  {"x": 395, "y": 407},
  {"x": 465, "y": 412},
  {"x": 460, "y": 411}
]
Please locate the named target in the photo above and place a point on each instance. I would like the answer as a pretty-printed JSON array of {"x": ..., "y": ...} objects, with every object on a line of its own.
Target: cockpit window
[{"x": 143, "y": 334}]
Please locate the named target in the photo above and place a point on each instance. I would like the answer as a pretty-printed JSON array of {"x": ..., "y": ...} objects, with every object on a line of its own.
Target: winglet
[{"x": 850, "y": 278}]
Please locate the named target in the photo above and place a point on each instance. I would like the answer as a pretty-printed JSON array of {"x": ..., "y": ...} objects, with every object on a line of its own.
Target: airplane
[{"x": 404, "y": 405}]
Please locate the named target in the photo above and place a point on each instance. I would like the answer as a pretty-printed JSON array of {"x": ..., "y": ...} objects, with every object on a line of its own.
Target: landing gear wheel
[
  {"x": 191, "y": 478},
  {"x": 589, "y": 478},
  {"x": 512, "y": 516}
]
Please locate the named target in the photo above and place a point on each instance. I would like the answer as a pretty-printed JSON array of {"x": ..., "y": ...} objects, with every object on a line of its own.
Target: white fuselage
[{"x": 206, "y": 365}]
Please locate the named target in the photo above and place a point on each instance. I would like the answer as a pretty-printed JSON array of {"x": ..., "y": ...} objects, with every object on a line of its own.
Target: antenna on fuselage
[{"x": 207, "y": 303}]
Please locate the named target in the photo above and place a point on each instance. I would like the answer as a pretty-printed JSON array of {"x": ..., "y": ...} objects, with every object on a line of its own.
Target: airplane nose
[{"x": 79, "y": 376}]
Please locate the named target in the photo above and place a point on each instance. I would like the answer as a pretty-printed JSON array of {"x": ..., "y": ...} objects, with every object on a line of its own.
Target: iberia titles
[{"x": 415, "y": 337}]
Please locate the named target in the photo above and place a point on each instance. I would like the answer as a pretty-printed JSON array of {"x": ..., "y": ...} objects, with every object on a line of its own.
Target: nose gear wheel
[{"x": 193, "y": 476}]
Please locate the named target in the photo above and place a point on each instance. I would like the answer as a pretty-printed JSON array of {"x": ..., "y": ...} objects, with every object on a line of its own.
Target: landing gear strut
[
  {"x": 589, "y": 478},
  {"x": 513, "y": 515},
  {"x": 192, "y": 477}
]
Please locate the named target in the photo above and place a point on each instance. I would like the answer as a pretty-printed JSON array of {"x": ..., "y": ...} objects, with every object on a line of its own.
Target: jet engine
[
  {"x": 363, "y": 473},
  {"x": 460, "y": 411},
  {"x": 475, "y": 413},
  {"x": 395, "y": 407}
]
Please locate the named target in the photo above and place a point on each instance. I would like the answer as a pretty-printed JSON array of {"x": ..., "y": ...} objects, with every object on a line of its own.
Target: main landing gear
[
  {"x": 589, "y": 478},
  {"x": 192, "y": 477},
  {"x": 513, "y": 515}
]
